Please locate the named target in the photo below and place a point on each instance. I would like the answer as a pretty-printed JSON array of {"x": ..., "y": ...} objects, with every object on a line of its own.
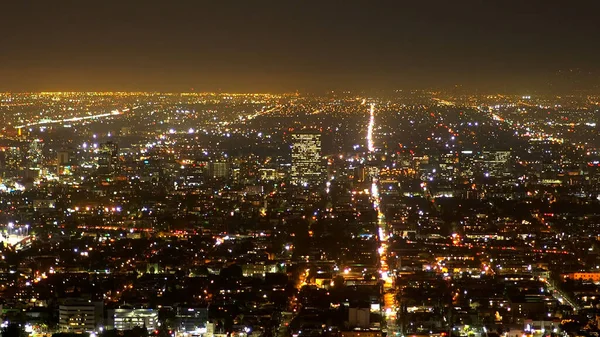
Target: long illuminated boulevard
[
  {"x": 75, "y": 119},
  {"x": 389, "y": 309}
]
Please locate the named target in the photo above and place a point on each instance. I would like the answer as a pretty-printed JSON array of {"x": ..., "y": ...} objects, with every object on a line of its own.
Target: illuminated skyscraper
[
  {"x": 218, "y": 169},
  {"x": 35, "y": 153},
  {"x": 108, "y": 158},
  {"x": 62, "y": 161},
  {"x": 11, "y": 161},
  {"x": 307, "y": 162}
]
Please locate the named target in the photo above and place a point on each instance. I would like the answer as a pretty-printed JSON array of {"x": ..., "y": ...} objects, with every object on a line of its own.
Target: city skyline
[
  {"x": 262, "y": 215},
  {"x": 299, "y": 169}
]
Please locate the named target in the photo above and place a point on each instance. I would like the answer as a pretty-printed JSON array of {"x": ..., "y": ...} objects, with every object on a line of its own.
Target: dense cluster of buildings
[{"x": 284, "y": 215}]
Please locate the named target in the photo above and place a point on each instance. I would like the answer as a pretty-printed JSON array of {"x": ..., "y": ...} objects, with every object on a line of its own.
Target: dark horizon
[{"x": 269, "y": 46}]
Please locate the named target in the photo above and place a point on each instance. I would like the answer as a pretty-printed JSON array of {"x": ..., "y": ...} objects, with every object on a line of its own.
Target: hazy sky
[{"x": 291, "y": 45}]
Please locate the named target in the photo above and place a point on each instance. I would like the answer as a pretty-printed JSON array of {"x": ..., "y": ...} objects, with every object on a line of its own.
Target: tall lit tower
[
  {"x": 35, "y": 153},
  {"x": 307, "y": 162},
  {"x": 108, "y": 158}
]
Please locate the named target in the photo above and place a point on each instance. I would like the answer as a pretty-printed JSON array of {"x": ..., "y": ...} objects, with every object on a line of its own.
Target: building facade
[
  {"x": 79, "y": 317},
  {"x": 307, "y": 161},
  {"x": 127, "y": 319}
]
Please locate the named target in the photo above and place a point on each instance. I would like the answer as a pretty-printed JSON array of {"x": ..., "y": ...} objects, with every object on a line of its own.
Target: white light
[{"x": 370, "y": 143}]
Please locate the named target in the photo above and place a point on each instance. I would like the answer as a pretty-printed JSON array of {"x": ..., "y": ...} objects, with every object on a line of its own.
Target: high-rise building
[
  {"x": 108, "y": 158},
  {"x": 495, "y": 163},
  {"x": 307, "y": 162},
  {"x": 360, "y": 174},
  {"x": 62, "y": 160},
  {"x": 35, "y": 154},
  {"x": 267, "y": 174},
  {"x": 218, "y": 169},
  {"x": 11, "y": 161}
]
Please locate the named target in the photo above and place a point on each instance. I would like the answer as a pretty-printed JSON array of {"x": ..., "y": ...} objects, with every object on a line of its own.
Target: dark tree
[
  {"x": 232, "y": 272},
  {"x": 13, "y": 330}
]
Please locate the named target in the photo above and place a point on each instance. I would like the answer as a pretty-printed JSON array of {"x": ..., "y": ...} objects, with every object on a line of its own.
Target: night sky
[{"x": 291, "y": 45}]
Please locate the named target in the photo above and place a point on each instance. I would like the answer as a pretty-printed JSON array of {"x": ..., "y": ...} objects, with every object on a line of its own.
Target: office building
[
  {"x": 218, "y": 169},
  {"x": 191, "y": 319},
  {"x": 108, "y": 158},
  {"x": 78, "y": 316},
  {"x": 359, "y": 317},
  {"x": 35, "y": 154},
  {"x": 127, "y": 319},
  {"x": 307, "y": 162}
]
